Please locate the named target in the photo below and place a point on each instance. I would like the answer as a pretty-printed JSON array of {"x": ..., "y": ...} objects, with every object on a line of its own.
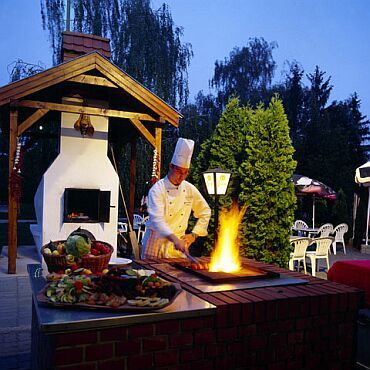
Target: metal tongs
[{"x": 190, "y": 257}]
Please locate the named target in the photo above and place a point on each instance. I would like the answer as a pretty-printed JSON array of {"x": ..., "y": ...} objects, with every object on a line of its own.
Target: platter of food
[{"x": 119, "y": 289}]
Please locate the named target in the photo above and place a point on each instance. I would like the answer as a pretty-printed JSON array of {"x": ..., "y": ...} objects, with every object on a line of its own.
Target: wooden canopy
[{"x": 92, "y": 77}]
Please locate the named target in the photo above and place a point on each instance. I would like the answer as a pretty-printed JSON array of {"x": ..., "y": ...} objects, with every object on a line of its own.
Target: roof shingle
[{"x": 74, "y": 43}]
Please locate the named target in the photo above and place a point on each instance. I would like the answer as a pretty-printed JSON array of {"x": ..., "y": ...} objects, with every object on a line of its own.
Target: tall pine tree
[{"x": 316, "y": 135}]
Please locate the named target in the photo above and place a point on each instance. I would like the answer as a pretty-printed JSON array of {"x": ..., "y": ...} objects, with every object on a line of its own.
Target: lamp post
[{"x": 217, "y": 181}]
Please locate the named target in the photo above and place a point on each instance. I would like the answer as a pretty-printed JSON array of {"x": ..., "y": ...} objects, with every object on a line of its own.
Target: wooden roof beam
[
  {"x": 50, "y": 77},
  {"x": 83, "y": 109},
  {"x": 144, "y": 131},
  {"x": 138, "y": 91},
  {"x": 93, "y": 80},
  {"x": 27, "y": 123}
]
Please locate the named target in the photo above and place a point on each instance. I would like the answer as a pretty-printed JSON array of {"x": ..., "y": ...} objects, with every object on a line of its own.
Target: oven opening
[{"x": 86, "y": 205}]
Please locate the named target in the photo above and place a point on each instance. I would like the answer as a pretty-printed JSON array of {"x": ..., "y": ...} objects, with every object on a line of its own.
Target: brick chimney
[{"x": 75, "y": 44}]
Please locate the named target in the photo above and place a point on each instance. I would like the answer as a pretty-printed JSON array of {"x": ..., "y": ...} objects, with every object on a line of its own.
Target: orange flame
[{"x": 225, "y": 256}]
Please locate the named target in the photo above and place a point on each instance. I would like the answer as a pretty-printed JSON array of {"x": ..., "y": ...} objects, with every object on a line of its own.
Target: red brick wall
[
  {"x": 310, "y": 326},
  {"x": 287, "y": 333}
]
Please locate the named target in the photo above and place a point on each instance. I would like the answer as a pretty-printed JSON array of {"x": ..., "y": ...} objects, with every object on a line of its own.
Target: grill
[{"x": 244, "y": 274}]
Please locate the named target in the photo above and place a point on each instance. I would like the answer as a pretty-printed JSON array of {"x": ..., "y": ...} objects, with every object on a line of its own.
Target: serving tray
[{"x": 44, "y": 300}]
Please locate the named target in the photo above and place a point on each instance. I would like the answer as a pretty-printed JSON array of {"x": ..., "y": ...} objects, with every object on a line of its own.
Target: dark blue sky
[{"x": 333, "y": 34}]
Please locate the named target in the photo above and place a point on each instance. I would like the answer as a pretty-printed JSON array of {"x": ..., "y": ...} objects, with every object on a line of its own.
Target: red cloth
[{"x": 352, "y": 273}]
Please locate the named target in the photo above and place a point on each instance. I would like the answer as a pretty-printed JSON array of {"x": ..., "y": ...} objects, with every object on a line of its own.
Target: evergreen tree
[
  {"x": 316, "y": 135},
  {"x": 224, "y": 150},
  {"x": 343, "y": 150},
  {"x": 266, "y": 186},
  {"x": 293, "y": 96},
  {"x": 200, "y": 119},
  {"x": 340, "y": 209}
]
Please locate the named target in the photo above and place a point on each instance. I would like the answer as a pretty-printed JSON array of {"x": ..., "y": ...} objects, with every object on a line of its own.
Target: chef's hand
[
  {"x": 179, "y": 244},
  {"x": 188, "y": 239}
]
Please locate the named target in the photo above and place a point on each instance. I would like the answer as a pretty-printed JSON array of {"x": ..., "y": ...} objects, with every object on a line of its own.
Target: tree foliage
[
  {"x": 316, "y": 133},
  {"x": 145, "y": 43},
  {"x": 20, "y": 69},
  {"x": 247, "y": 73},
  {"x": 266, "y": 185},
  {"x": 340, "y": 209},
  {"x": 327, "y": 138},
  {"x": 254, "y": 145},
  {"x": 293, "y": 94},
  {"x": 200, "y": 119},
  {"x": 52, "y": 15},
  {"x": 225, "y": 149}
]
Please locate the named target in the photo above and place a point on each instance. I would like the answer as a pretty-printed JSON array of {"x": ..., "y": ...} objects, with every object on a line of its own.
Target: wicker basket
[
  {"x": 93, "y": 263},
  {"x": 53, "y": 262},
  {"x": 97, "y": 263}
]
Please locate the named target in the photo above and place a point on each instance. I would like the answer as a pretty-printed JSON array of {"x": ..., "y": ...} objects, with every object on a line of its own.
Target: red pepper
[
  {"x": 78, "y": 285},
  {"x": 74, "y": 267}
]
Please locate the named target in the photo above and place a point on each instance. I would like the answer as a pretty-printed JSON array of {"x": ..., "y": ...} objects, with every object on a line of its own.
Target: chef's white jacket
[{"x": 169, "y": 209}]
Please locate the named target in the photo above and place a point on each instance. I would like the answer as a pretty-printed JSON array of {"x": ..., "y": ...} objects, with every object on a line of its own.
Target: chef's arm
[
  {"x": 156, "y": 207},
  {"x": 189, "y": 239},
  {"x": 178, "y": 243}
]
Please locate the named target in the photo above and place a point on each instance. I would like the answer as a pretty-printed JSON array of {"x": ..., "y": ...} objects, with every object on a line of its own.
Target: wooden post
[
  {"x": 158, "y": 146},
  {"x": 12, "y": 203},
  {"x": 131, "y": 206}
]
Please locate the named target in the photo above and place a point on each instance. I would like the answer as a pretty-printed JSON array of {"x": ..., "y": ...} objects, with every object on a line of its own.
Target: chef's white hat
[{"x": 183, "y": 152}]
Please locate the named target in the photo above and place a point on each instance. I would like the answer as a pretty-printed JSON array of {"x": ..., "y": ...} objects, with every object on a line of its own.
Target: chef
[{"x": 170, "y": 203}]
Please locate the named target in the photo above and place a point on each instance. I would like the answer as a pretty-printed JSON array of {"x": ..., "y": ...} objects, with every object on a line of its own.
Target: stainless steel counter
[{"x": 53, "y": 320}]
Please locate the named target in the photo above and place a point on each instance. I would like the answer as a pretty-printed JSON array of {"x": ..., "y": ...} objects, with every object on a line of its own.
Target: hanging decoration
[
  {"x": 154, "y": 177},
  {"x": 83, "y": 124},
  {"x": 15, "y": 181}
]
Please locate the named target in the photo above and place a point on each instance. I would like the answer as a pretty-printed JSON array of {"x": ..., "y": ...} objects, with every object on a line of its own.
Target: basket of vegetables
[
  {"x": 55, "y": 256},
  {"x": 98, "y": 258},
  {"x": 79, "y": 250}
]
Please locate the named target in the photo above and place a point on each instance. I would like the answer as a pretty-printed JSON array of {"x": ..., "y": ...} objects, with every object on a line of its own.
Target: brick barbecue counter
[{"x": 310, "y": 326}]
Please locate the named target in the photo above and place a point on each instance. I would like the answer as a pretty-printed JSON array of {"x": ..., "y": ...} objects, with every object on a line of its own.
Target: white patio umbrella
[{"x": 362, "y": 177}]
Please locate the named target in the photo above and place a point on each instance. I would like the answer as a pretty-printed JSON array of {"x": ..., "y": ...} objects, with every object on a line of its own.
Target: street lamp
[{"x": 217, "y": 181}]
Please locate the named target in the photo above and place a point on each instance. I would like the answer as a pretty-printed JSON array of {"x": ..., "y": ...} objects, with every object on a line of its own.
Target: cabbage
[{"x": 77, "y": 245}]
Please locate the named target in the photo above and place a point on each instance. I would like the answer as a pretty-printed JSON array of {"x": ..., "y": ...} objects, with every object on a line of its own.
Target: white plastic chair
[
  {"x": 299, "y": 254},
  {"x": 122, "y": 227},
  {"x": 137, "y": 221},
  {"x": 142, "y": 229},
  {"x": 322, "y": 252},
  {"x": 300, "y": 225},
  {"x": 325, "y": 230},
  {"x": 339, "y": 231}
]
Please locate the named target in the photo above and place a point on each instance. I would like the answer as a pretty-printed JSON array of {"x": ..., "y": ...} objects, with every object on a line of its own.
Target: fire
[{"x": 225, "y": 256}]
